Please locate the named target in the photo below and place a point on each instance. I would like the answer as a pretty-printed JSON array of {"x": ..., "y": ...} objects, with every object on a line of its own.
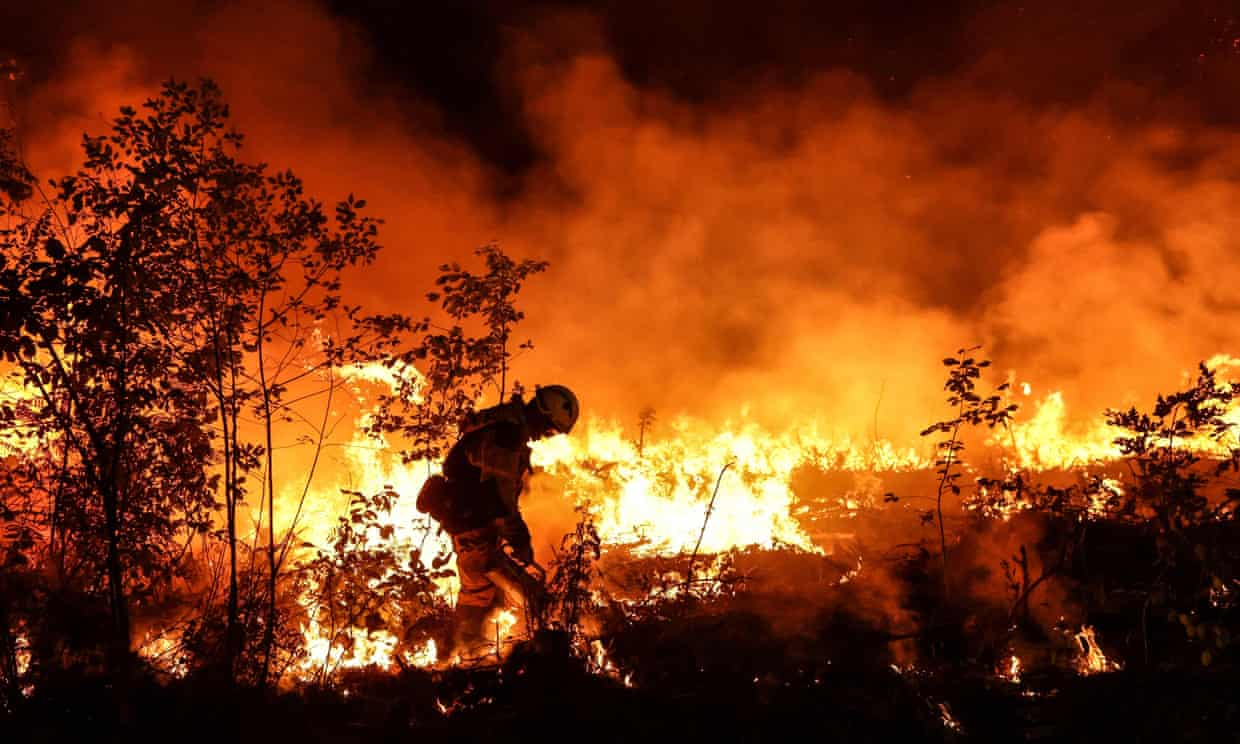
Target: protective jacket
[{"x": 486, "y": 471}]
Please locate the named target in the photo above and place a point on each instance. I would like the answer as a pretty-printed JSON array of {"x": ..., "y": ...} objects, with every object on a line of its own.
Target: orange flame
[{"x": 1091, "y": 660}]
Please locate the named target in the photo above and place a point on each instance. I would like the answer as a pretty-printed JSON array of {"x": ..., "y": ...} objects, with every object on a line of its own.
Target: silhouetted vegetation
[{"x": 142, "y": 299}]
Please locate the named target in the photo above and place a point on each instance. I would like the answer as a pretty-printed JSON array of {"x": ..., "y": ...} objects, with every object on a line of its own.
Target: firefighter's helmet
[{"x": 559, "y": 405}]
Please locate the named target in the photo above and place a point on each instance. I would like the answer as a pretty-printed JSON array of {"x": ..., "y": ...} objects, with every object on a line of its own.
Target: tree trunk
[
  {"x": 272, "y": 568},
  {"x": 8, "y": 653},
  {"x": 119, "y": 606},
  {"x": 232, "y": 629}
]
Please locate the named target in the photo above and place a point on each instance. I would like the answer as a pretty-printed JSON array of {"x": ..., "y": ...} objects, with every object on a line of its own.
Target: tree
[
  {"x": 89, "y": 286},
  {"x": 969, "y": 409},
  {"x": 449, "y": 371},
  {"x": 263, "y": 270},
  {"x": 1197, "y": 558},
  {"x": 168, "y": 291},
  {"x": 15, "y": 180}
]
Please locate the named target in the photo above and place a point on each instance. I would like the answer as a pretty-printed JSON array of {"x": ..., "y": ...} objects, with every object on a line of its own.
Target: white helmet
[{"x": 559, "y": 405}]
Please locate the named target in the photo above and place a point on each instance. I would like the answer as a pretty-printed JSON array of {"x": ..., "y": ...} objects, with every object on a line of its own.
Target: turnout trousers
[{"x": 486, "y": 574}]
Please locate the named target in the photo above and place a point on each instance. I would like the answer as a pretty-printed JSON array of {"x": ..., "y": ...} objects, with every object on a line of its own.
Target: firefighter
[{"x": 484, "y": 475}]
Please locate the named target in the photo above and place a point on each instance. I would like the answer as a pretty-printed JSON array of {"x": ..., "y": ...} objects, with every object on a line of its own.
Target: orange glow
[
  {"x": 775, "y": 275},
  {"x": 1091, "y": 659}
]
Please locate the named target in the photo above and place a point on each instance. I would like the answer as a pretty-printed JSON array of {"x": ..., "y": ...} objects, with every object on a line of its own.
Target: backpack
[
  {"x": 512, "y": 411},
  {"x": 435, "y": 498},
  {"x": 456, "y": 507}
]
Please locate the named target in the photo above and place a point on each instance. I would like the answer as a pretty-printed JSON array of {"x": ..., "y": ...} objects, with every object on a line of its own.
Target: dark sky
[
  {"x": 1185, "y": 52},
  {"x": 697, "y": 48},
  {"x": 1054, "y": 51}
]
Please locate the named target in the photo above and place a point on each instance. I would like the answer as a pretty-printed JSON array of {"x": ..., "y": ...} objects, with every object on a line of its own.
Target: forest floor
[{"x": 776, "y": 661}]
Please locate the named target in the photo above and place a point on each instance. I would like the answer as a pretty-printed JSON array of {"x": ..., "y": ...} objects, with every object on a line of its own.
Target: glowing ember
[
  {"x": 602, "y": 665},
  {"x": 949, "y": 721},
  {"x": 1091, "y": 659},
  {"x": 164, "y": 652},
  {"x": 22, "y": 646},
  {"x": 1010, "y": 670}
]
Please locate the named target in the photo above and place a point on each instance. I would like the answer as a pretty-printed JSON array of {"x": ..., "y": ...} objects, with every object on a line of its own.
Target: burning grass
[{"x": 798, "y": 579}]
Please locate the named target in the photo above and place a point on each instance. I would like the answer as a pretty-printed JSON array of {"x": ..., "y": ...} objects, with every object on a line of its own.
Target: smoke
[
  {"x": 796, "y": 248},
  {"x": 809, "y": 249}
]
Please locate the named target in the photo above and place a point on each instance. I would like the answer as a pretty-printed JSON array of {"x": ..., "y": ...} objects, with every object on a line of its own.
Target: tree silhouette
[
  {"x": 90, "y": 286},
  {"x": 450, "y": 370},
  {"x": 969, "y": 409},
  {"x": 168, "y": 291}
]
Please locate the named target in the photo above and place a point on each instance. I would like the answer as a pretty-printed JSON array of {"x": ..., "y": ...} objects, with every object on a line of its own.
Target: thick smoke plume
[{"x": 790, "y": 251}]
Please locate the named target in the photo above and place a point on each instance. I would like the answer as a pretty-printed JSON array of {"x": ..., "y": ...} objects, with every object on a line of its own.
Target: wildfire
[
  {"x": 164, "y": 652},
  {"x": 949, "y": 721},
  {"x": 328, "y": 652},
  {"x": 655, "y": 501},
  {"x": 503, "y": 624},
  {"x": 425, "y": 656},
  {"x": 601, "y": 664},
  {"x": 667, "y": 497},
  {"x": 22, "y": 645},
  {"x": 22, "y": 658},
  {"x": 16, "y": 438},
  {"x": 1091, "y": 660},
  {"x": 1011, "y": 669},
  {"x": 1045, "y": 440}
]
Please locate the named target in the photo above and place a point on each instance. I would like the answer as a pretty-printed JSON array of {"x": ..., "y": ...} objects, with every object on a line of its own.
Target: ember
[{"x": 1091, "y": 659}]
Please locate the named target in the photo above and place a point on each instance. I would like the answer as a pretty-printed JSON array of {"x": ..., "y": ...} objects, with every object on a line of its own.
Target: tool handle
[{"x": 531, "y": 567}]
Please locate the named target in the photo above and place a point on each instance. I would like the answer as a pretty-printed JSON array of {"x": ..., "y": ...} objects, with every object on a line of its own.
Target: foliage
[
  {"x": 450, "y": 370},
  {"x": 1166, "y": 467},
  {"x": 165, "y": 292},
  {"x": 15, "y": 179},
  {"x": 367, "y": 580},
  {"x": 489, "y": 298},
  {"x": 569, "y": 588},
  {"x": 969, "y": 410},
  {"x": 1198, "y": 563}
]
